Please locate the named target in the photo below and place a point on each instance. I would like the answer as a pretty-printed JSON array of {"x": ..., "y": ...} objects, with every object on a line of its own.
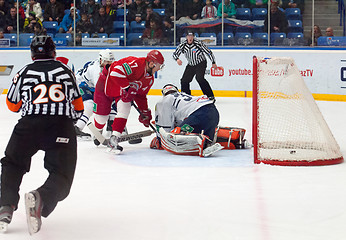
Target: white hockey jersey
[
  {"x": 89, "y": 73},
  {"x": 174, "y": 108}
]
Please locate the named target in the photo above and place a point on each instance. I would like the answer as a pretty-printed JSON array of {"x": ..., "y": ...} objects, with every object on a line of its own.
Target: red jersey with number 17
[{"x": 126, "y": 71}]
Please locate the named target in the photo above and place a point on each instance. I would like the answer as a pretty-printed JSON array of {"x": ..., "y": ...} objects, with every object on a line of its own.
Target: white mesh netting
[{"x": 290, "y": 124}]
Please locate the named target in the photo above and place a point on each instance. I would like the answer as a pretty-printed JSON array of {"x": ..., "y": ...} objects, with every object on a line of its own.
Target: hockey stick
[
  {"x": 140, "y": 113},
  {"x": 123, "y": 138},
  {"x": 1, "y": 90}
]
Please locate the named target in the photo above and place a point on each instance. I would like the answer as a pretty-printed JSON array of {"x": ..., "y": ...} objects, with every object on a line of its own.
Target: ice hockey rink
[{"x": 145, "y": 194}]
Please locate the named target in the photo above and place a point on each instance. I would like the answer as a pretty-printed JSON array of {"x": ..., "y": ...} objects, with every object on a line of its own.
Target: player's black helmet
[{"x": 42, "y": 47}]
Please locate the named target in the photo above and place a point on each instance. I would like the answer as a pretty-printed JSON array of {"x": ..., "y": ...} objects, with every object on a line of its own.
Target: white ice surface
[{"x": 145, "y": 194}]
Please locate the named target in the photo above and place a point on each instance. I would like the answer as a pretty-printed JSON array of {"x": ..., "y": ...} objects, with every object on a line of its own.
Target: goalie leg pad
[
  {"x": 180, "y": 143},
  {"x": 188, "y": 144},
  {"x": 229, "y": 137}
]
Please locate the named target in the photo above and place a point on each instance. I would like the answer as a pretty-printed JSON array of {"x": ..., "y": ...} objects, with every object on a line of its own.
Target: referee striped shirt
[
  {"x": 45, "y": 87},
  {"x": 194, "y": 52}
]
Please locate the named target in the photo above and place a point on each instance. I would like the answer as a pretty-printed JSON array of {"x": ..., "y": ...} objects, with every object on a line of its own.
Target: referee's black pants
[
  {"x": 56, "y": 136},
  {"x": 199, "y": 71}
]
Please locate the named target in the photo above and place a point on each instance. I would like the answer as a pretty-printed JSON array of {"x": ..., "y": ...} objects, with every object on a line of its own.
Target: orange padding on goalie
[{"x": 228, "y": 136}]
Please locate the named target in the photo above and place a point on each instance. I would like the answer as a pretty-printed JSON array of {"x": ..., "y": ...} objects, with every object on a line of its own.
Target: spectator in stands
[
  {"x": 2, "y": 21},
  {"x": 329, "y": 32},
  {"x": 209, "y": 10},
  {"x": 168, "y": 31},
  {"x": 241, "y": 3},
  {"x": 4, "y": 8},
  {"x": 293, "y": 4},
  {"x": 78, "y": 39},
  {"x": 90, "y": 8},
  {"x": 111, "y": 9},
  {"x": 120, "y": 3},
  {"x": 34, "y": 6},
  {"x": 54, "y": 11},
  {"x": 278, "y": 20},
  {"x": 67, "y": 23},
  {"x": 139, "y": 6},
  {"x": 138, "y": 18},
  {"x": 69, "y": 3},
  {"x": 2, "y": 33},
  {"x": 11, "y": 22},
  {"x": 102, "y": 22},
  {"x": 39, "y": 30},
  {"x": 229, "y": 9},
  {"x": 85, "y": 25},
  {"x": 193, "y": 9},
  {"x": 258, "y": 3},
  {"x": 317, "y": 34},
  {"x": 43, "y": 3},
  {"x": 158, "y": 4},
  {"x": 30, "y": 22},
  {"x": 20, "y": 10},
  {"x": 152, "y": 35},
  {"x": 169, "y": 12},
  {"x": 150, "y": 14}
]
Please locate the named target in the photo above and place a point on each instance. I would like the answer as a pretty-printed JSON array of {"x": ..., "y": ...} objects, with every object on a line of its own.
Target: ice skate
[
  {"x": 33, "y": 206},
  {"x": 82, "y": 135},
  {"x": 6, "y": 213},
  {"x": 211, "y": 149},
  {"x": 113, "y": 146}
]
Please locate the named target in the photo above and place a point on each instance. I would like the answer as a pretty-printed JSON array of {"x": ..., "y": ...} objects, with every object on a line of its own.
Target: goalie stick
[{"x": 123, "y": 138}]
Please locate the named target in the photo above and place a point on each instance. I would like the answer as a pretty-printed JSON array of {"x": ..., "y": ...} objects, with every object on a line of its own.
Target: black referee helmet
[{"x": 42, "y": 47}]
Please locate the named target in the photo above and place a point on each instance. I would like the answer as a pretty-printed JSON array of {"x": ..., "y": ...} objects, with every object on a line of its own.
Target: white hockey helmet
[
  {"x": 168, "y": 89},
  {"x": 106, "y": 55}
]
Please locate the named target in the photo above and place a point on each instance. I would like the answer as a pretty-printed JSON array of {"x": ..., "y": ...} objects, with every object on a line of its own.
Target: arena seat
[
  {"x": 293, "y": 14},
  {"x": 259, "y": 13},
  {"x": 12, "y": 37},
  {"x": 243, "y": 14},
  {"x": 25, "y": 39}
]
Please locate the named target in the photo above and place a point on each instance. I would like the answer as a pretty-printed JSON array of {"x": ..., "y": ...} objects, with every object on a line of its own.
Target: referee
[
  {"x": 194, "y": 51},
  {"x": 46, "y": 93}
]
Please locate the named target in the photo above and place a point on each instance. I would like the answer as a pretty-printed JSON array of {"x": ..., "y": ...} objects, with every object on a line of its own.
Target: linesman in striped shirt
[
  {"x": 194, "y": 51},
  {"x": 46, "y": 93}
]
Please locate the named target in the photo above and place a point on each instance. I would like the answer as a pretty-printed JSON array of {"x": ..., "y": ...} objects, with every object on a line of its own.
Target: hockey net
[{"x": 288, "y": 127}]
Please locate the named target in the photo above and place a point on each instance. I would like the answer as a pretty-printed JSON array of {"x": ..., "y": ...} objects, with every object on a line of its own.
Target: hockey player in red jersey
[{"x": 126, "y": 80}]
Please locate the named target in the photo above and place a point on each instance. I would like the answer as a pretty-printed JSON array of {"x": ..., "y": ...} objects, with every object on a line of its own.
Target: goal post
[{"x": 288, "y": 127}]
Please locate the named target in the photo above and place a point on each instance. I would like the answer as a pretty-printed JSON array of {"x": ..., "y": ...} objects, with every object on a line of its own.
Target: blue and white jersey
[
  {"x": 174, "y": 108},
  {"x": 89, "y": 73}
]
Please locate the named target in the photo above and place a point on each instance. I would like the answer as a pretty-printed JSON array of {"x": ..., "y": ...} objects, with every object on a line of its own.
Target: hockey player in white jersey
[
  {"x": 186, "y": 123},
  {"x": 87, "y": 78}
]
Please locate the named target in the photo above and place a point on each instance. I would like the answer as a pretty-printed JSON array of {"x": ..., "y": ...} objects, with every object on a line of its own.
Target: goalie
[
  {"x": 189, "y": 125},
  {"x": 186, "y": 124}
]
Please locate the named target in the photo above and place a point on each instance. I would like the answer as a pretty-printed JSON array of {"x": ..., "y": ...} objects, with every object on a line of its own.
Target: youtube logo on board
[{"x": 218, "y": 72}]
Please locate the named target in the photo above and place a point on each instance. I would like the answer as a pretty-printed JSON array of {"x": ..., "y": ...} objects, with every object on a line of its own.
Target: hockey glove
[
  {"x": 128, "y": 94},
  {"x": 86, "y": 91},
  {"x": 145, "y": 117},
  {"x": 156, "y": 143}
]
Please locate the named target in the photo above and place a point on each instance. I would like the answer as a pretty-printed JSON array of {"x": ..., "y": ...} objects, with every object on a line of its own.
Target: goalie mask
[
  {"x": 106, "y": 57},
  {"x": 168, "y": 89}
]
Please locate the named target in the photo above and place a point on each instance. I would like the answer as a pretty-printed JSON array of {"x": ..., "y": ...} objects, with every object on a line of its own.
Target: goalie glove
[
  {"x": 156, "y": 143},
  {"x": 129, "y": 93},
  {"x": 145, "y": 117}
]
